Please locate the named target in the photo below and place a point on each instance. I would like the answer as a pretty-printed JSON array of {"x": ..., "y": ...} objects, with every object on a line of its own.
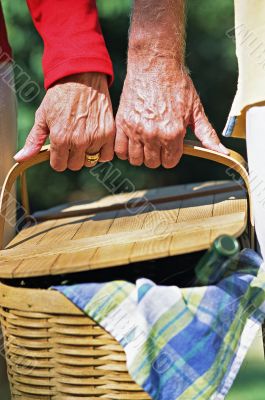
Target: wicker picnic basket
[{"x": 52, "y": 350}]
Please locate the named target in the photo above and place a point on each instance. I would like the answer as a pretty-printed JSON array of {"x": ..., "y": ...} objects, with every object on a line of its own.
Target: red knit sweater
[{"x": 73, "y": 41}]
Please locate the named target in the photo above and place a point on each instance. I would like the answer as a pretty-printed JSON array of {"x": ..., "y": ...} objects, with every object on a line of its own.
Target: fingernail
[
  {"x": 20, "y": 154},
  {"x": 223, "y": 149}
]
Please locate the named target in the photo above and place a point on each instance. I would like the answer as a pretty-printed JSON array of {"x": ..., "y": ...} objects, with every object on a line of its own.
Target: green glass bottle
[{"x": 213, "y": 263}]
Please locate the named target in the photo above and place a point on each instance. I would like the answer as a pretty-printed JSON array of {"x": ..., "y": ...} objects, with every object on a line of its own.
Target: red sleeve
[
  {"x": 5, "y": 50},
  {"x": 73, "y": 41}
]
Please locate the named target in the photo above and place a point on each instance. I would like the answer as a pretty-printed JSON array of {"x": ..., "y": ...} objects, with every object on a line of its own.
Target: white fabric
[
  {"x": 255, "y": 134},
  {"x": 249, "y": 31}
]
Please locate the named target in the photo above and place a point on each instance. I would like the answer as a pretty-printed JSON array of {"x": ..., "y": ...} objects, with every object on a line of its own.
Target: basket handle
[{"x": 234, "y": 161}]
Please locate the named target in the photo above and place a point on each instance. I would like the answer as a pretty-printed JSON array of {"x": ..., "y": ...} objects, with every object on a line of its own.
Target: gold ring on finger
[{"x": 92, "y": 158}]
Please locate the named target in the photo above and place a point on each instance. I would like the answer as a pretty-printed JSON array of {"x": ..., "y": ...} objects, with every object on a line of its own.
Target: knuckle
[
  {"x": 150, "y": 135},
  {"x": 78, "y": 142},
  {"x": 129, "y": 126},
  {"x": 57, "y": 141},
  {"x": 213, "y": 134},
  {"x": 208, "y": 135},
  {"x": 100, "y": 139},
  {"x": 110, "y": 132},
  {"x": 172, "y": 135},
  {"x": 169, "y": 137},
  {"x": 120, "y": 120},
  {"x": 30, "y": 140}
]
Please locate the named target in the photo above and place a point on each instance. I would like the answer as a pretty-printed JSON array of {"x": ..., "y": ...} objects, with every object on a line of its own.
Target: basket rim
[{"x": 36, "y": 300}]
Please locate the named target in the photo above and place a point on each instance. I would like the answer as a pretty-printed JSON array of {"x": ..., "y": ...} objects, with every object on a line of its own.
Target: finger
[
  {"x": 204, "y": 131},
  {"x": 107, "y": 150},
  {"x": 136, "y": 153},
  {"x": 90, "y": 164},
  {"x": 93, "y": 149},
  {"x": 152, "y": 155},
  {"x": 35, "y": 139},
  {"x": 121, "y": 144},
  {"x": 76, "y": 159},
  {"x": 59, "y": 155},
  {"x": 172, "y": 153}
]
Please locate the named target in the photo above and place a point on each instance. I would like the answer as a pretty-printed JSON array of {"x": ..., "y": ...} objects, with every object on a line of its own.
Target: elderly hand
[
  {"x": 158, "y": 102},
  {"x": 77, "y": 115}
]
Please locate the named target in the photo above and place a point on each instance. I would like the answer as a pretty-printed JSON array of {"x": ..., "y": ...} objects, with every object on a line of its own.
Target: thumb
[
  {"x": 204, "y": 131},
  {"x": 35, "y": 139}
]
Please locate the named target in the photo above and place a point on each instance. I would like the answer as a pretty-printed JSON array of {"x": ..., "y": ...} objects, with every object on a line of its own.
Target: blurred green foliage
[
  {"x": 210, "y": 58},
  {"x": 249, "y": 384}
]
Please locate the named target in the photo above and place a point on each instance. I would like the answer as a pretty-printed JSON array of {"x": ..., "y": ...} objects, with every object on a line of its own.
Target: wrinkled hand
[
  {"x": 155, "y": 109},
  {"x": 77, "y": 114}
]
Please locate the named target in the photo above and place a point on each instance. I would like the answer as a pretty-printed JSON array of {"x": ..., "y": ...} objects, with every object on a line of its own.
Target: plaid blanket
[{"x": 184, "y": 343}]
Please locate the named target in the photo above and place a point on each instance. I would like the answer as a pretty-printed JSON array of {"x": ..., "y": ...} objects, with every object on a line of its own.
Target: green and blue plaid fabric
[{"x": 187, "y": 343}]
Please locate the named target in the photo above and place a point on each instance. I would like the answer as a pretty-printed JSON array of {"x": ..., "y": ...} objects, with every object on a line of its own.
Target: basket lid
[{"x": 126, "y": 228}]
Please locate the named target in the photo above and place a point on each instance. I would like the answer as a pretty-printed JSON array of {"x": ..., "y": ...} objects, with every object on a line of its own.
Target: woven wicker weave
[{"x": 55, "y": 352}]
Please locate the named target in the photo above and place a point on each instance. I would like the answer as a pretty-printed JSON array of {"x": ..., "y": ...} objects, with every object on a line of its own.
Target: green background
[{"x": 211, "y": 60}]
